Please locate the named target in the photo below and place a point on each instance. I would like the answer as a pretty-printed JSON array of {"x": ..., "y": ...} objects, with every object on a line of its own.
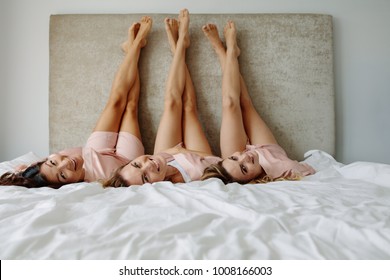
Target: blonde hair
[
  {"x": 218, "y": 171},
  {"x": 115, "y": 181},
  {"x": 266, "y": 179}
]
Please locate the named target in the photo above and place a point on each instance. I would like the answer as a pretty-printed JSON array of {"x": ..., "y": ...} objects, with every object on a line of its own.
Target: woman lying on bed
[
  {"x": 263, "y": 160},
  {"x": 181, "y": 151},
  {"x": 116, "y": 137}
]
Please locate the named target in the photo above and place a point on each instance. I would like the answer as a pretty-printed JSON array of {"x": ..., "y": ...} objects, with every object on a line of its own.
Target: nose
[
  {"x": 245, "y": 158},
  {"x": 147, "y": 165},
  {"x": 64, "y": 163}
]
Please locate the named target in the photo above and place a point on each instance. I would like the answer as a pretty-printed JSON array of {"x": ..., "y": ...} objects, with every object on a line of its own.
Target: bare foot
[
  {"x": 172, "y": 29},
  {"x": 230, "y": 37},
  {"x": 211, "y": 32},
  {"x": 184, "y": 22},
  {"x": 131, "y": 34},
  {"x": 145, "y": 26}
]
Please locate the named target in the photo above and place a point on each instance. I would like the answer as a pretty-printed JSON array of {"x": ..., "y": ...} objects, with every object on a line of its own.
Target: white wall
[{"x": 362, "y": 65}]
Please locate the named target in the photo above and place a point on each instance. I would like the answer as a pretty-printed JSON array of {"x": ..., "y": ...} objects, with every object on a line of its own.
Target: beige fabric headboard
[{"x": 286, "y": 60}]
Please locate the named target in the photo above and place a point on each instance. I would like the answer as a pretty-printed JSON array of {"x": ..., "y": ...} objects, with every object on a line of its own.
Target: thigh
[
  {"x": 111, "y": 116},
  {"x": 258, "y": 131},
  {"x": 193, "y": 135},
  {"x": 169, "y": 132},
  {"x": 233, "y": 137},
  {"x": 256, "y": 128}
]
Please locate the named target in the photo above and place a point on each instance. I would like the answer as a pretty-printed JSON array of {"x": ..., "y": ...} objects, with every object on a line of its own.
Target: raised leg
[
  {"x": 129, "y": 121},
  {"x": 194, "y": 137},
  {"x": 125, "y": 79},
  {"x": 233, "y": 136},
  {"x": 169, "y": 132},
  {"x": 256, "y": 130}
]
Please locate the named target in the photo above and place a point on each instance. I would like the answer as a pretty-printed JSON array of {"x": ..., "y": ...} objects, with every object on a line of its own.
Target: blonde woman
[
  {"x": 262, "y": 159},
  {"x": 181, "y": 151}
]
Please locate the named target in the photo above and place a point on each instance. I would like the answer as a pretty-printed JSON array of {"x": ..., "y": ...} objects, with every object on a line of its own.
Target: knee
[
  {"x": 117, "y": 104},
  {"x": 230, "y": 103},
  {"x": 132, "y": 108},
  {"x": 172, "y": 104},
  {"x": 189, "y": 106}
]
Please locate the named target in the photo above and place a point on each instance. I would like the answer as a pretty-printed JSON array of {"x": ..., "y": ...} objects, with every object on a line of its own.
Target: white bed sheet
[{"x": 341, "y": 212}]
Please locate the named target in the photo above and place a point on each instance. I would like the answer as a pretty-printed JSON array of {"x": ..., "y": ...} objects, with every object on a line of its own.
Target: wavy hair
[
  {"x": 116, "y": 180},
  {"x": 218, "y": 171},
  {"x": 29, "y": 178}
]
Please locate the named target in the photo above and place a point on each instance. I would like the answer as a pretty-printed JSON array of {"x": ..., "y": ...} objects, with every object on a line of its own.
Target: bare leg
[
  {"x": 256, "y": 129},
  {"x": 194, "y": 137},
  {"x": 125, "y": 79},
  {"x": 233, "y": 137},
  {"x": 169, "y": 132},
  {"x": 129, "y": 121}
]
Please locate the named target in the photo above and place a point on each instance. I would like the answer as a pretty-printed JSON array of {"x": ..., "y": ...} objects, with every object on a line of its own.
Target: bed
[{"x": 341, "y": 212}]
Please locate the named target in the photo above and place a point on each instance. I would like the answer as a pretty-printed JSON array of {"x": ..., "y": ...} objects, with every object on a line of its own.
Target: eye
[
  {"x": 136, "y": 165},
  {"x": 233, "y": 158},
  {"x": 52, "y": 162},
  {"x": 244, "y": 169},
  {"x": 145, "y": 178},
  {"x": 63, "y": 175}
]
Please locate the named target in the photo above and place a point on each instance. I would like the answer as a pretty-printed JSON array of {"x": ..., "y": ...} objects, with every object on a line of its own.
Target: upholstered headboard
[{"x": 286, "y": 60}]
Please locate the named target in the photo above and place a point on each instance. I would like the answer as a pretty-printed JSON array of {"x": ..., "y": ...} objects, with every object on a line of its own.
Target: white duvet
[{"x": 341, "y": 212}]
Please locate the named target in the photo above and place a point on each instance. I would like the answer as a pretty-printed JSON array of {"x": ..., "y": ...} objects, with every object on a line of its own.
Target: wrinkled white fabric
[{"x": 341, "y": 212}]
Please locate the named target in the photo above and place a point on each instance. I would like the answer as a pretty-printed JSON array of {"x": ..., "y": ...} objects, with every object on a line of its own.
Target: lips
[
  {"x": 252, "y": 159},
  {"x": 74, "y": 163},
  {"x": 156, "y": 164},
  {"x": 251, "y": 156}
]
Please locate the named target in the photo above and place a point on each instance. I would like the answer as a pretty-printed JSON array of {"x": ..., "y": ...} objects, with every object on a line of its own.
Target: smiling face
[
  {"x": 63, "y": 168},
  {"x": 243, "y": 166},
  {"x": 144, "y": 169}
]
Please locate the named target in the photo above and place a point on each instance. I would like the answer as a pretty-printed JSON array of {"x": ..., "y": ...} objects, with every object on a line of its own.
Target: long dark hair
[{"x": 29, "y": 178}]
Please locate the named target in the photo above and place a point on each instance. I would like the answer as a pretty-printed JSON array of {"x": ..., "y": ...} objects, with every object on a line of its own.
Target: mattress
[{"x": 341, "y": 212}]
